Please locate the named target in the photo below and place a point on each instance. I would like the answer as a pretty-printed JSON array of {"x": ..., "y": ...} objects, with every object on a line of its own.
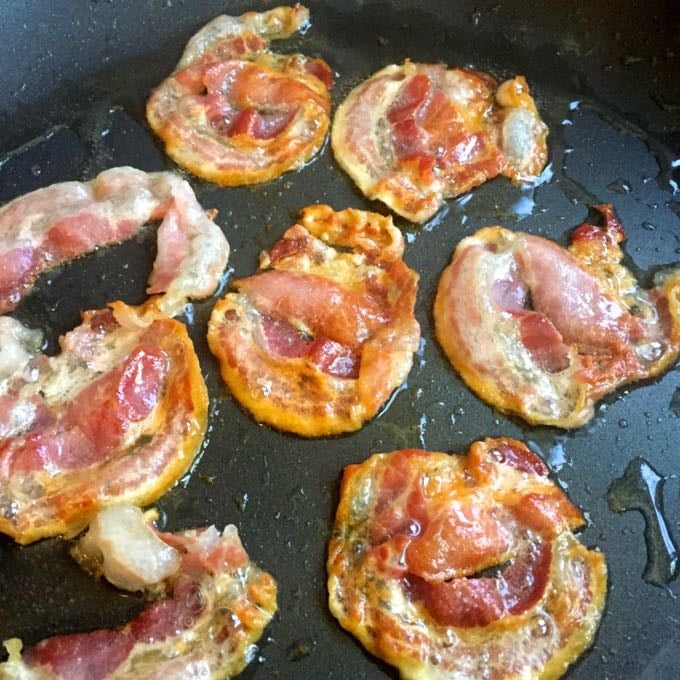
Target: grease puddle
[
  {"x": 552, "y": 452},
  {"x": 641, "y": 488}
]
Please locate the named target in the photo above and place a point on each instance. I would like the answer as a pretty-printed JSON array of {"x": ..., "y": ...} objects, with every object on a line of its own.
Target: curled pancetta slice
[
  {"x": 235, "y": 113},
  {"x": 63, "y": 221},
  {"x": 117, "y": 417},
  {"x": 416, "y": 134},
  {"x": 543, "y": 332},
  {"x": 451, "y": 566},
  {"x": 202, "y": 621},
  {"x": 317, "y": 340}
]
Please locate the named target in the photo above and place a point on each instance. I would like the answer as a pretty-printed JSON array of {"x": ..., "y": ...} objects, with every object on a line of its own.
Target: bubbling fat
[
  {"x": 463, "y": 566},
  {"x": 543, "y": 332},
  {"x": 208, "y": 605}
]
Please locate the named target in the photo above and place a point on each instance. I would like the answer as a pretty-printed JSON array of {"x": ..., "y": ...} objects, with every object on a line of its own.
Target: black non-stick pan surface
[{"x": 74, "y": 77}]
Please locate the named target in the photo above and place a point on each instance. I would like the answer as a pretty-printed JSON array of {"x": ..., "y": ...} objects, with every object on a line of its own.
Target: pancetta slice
[
  {"x": 202, "y": 622},
  {"x": 233, "y": 112},
  {"x": 466, "y": 567},
  {"x": 317, "y": 340},
  {"x": 414, "y": 135},
  {"x": 117, "y": 416},
  {"x": 60, "y": 222},
  {"x": 543, "y": 332}
]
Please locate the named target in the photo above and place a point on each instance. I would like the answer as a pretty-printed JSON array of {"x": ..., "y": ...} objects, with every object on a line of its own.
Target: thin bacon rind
[
  {"x": 149, "y": 457},
  {"x": 215, "y": 126},
  {"x": 208, "y": 616},
  {"x": 413, "y": 135},
  {"x": 63, "y": 221},
  {"x": 527, "y": 629},
  {"x": 298, "y": 393},
  {"x": 603, "y": 329}
]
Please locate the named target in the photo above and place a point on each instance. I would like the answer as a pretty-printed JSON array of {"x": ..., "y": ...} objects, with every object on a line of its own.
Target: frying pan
[{"x": 75, "y": 76}]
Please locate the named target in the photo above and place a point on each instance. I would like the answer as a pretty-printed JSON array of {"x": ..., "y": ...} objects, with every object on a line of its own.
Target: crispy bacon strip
[
  {"x": 233, "y": 112},
  {"x": 210, "y": 611},
  {"x": 430, "y": 548},
  {"x": 315, "y": 342},
  {"x": 416, "y": 134},
  {"x": 544, "y": 332},
  {"x": 117, "y": 416},
  {"x": 63, "y": 221}
]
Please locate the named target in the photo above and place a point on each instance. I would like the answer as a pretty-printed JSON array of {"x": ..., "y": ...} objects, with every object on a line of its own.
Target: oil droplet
[
  {"x": 623, "y": 423},
  {"x": 523, "y": 206},
  {"x": 190, "y": 314},
  {"x": 557, "y": 458},
  {"x": 620, "y": 186},
  {"x": 437, "y": 219},
  {"x": 648, "y": 226},
  {"x": 242, "y": 501},
  {"x": 299, "y": 649},
  {"x": 640, "y": 488},
  {"x": 386, "y": 406},
  {"x": 475, "y": 16},
  {"x": 421, "y": 353},
  {"x": 675, "y": 402},
  {"x": 422, "y": 429},
  {"x": 251, "y": 652},
  {"x": 161, "y": 521},
  {"x": 10, "y": 510},
  {"x": 36, "y": 170},
  {"x": 546, "y": 175},
  {"x": 463, "y": 200}
]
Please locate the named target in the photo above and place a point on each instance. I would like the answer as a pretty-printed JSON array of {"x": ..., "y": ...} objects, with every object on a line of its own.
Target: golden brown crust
[
  {"x": 373, "y": 323},
  {"x": 232, "y": 600},
  {"x": 413, "y": 135},
  {"x": 254, "y": 610},
  {"x": 485, "y": 342},
  {"x": 235, "y": 113},
  {"x": 143, "y": 469},
  {"x": 374, "y": 597}
]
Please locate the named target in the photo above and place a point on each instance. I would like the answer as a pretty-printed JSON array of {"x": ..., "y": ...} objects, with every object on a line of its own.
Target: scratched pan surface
[{"x": 75, "y": 76}]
